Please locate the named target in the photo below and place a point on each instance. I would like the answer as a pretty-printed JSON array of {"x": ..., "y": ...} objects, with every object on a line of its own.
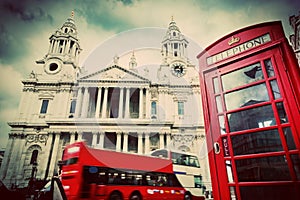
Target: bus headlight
[{"x": 66, "y": 187}]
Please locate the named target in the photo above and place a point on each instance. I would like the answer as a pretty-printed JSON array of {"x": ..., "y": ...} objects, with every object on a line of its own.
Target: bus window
[
  {"x": 173, "y": 181},
  {"x": 71, "y": 161},
  {"x": 198, "y": 181},
  {"x": 156, "y": 180},
  {"x": 193, "y": 161},
  {"x": 184, "y": 159},
  {"x": 160, "y": 153}
]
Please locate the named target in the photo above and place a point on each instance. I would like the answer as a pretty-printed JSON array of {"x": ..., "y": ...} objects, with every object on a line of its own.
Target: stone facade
[
  {"x": 114, "y": 108},
  {"x": 295, "y": 36}
]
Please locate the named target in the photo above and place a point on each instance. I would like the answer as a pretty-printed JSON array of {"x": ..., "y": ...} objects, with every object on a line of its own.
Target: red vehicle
[{"x": 89, "y": 173}]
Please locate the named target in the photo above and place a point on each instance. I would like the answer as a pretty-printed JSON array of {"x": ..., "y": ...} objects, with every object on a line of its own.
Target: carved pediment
[{"x": 114, "y": 73}]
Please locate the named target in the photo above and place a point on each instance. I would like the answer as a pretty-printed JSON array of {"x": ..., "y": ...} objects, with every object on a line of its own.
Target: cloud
[
  {"x": 10, "y": 93},
  {"x": 25, "y": 12},
  {"x": 10, "y": 86}
]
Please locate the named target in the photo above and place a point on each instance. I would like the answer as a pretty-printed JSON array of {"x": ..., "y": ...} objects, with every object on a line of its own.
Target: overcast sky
[{"x": 25, "y": 27}]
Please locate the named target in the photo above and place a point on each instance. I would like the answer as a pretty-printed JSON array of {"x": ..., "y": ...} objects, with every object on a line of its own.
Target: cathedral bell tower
[
  {"x": 61, "y": 61},
  {"x": 35, "y": 140},
  {"x": 174, "y": 54},
  {"x": 174, "y": 44}
]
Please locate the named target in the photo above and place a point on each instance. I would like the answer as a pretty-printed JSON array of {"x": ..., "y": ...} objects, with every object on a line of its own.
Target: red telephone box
[{"x": 250, "y": 83}]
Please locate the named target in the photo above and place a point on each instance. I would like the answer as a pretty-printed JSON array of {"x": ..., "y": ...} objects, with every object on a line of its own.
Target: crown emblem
[{"x": 233, "y": 40}]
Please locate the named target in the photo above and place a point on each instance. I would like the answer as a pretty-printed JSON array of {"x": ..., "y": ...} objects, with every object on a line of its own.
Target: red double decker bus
[{"x": 89, "y": 173}]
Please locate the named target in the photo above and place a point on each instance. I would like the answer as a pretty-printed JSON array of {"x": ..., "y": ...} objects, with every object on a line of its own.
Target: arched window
[
  {"x": 34, "y": 156},
  {"x": 153, "y": 108}
]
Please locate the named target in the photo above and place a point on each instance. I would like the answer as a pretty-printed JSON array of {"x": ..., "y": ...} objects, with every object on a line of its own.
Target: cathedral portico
[{"x": 122, "y": 102}]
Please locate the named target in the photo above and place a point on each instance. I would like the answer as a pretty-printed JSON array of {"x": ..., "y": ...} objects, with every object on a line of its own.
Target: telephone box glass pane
[
  {"x": 289, "y": 138},
  {"x": 275, "y": 89},
  {"x": 251, "y": 118},
  {"x": 232, "y": 193},
  {"x": 216, "y": 85},
  {"x": 222, "y": 124},
  {"x": 229, "y": 171},
  {"x": 257, "y": 142},
  {"x": 273, "y": 192},
  {"x": 273, "y": 168},
  {"x": 269, "y": 68},
  {"x": 240, "y": 98},
  {"x": 219, "y": 104},
  {"x": 281, "y": 113},
  {"x": 242, "y": 76},
  {"x": 296, "y": 163}
]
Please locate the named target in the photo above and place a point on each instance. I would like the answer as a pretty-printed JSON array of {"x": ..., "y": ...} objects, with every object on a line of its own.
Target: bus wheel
[
  {"x": 116, "y": 196},
  {"x": 187, "y": 196},
  {"x": 135, "y": 196}
]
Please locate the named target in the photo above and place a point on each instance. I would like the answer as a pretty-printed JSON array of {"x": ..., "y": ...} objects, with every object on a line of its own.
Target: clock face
[{"x": 178, "y": 69}]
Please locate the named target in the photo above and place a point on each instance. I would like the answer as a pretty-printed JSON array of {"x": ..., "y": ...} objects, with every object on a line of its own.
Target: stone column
[
  {"x": 79, "y": 138},
  {"x": 168, "y": 106},
  {"x": 141, "y": 104},
  {"x": 94, "y": 139},
  {"x": 54, "y": 155},
  {"x": 148, "y": 107},
  {"x": 47, "y": 155},
  {"x": 21, "y": 158},
  {"x": 101, "y": 140},
  {"x": 23, "y": 104},
  {"x": 85, "y": 104},
  {"x": 168, "y": 139},
  {"x": 97, "y": 113},
  {"x": 104, "y": 106},
  {"x": 63, "y": 47},
  {"x": 125, "y": 142},
  {"x": 140, "y": 143},
  {"x": 13, "y": 159},
  {"x": 78, "y": 103},
  {"x": 161, "y": 140},
  {"x": 72, "y": 137},
  {"x": 127, "y": 103},
  {"x": 62, "y": 98},
  {"x": 7, "y": 157},
  {"x": 50, "y": 46},
  {"x": 118, "y": 143},
  {"x": 163, "y": 106},
  {"x": 55, "y": 46},
  {"x": 67, "y": 47},
  {"x": 29, "y": 105},
  {"x": 147, "y": 143},
  {"x": 73, "y": 53},
  {"x": 121, "y": 99}
]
